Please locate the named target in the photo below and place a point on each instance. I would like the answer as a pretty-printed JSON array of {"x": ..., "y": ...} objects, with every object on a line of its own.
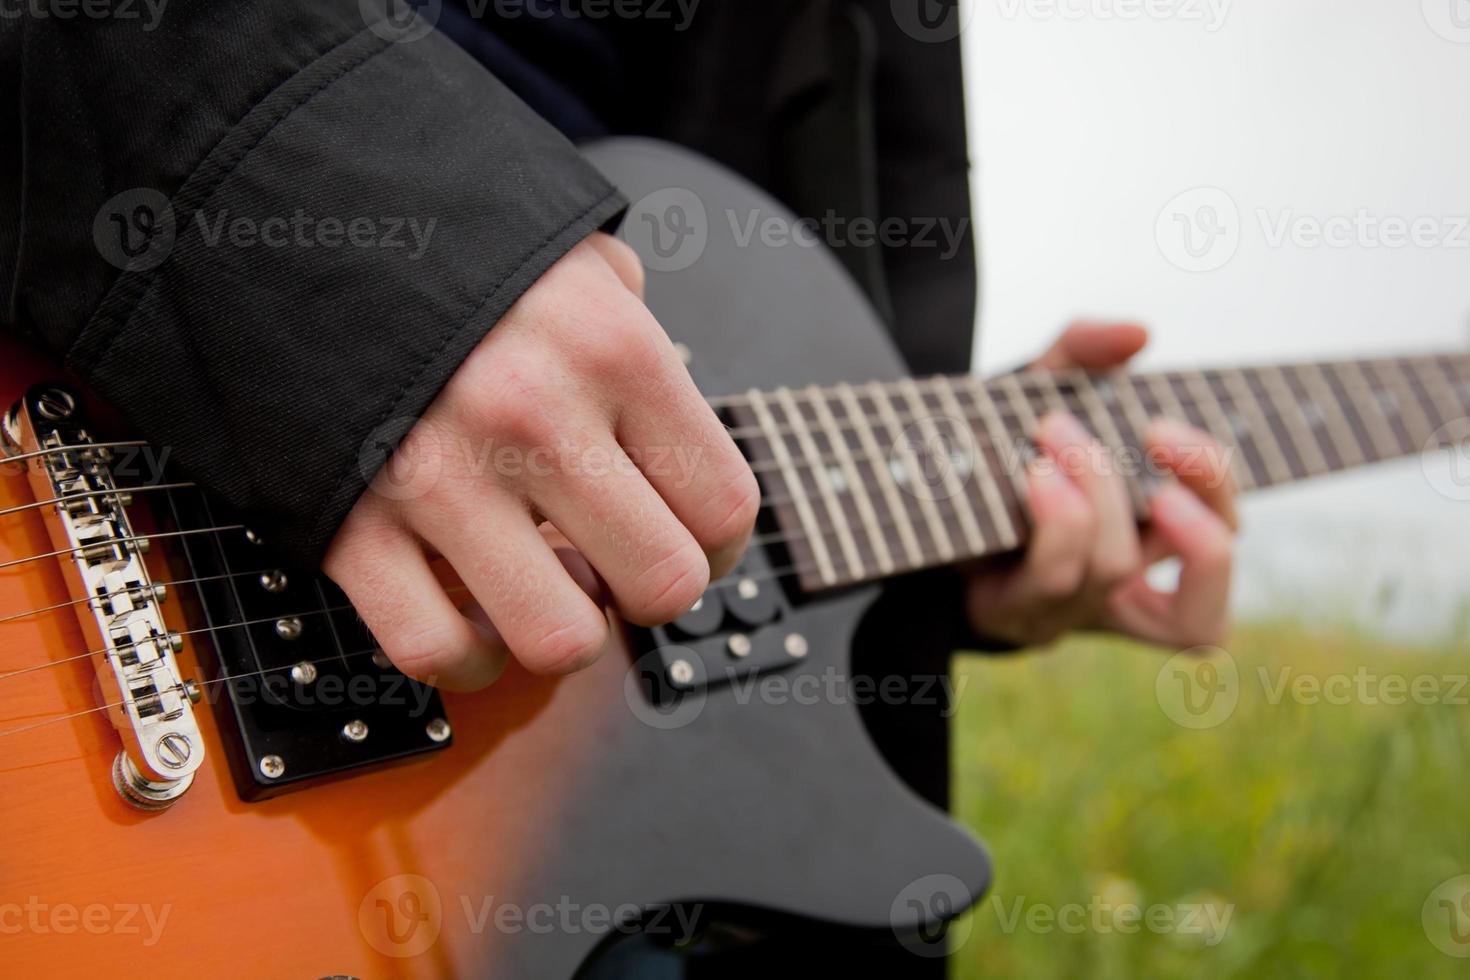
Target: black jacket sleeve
[{"x": 268, "y": 231}]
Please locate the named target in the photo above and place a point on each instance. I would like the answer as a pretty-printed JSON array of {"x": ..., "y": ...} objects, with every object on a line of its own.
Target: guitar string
[
  {"x": 1030, "y": 381},
  {"x": 1006, "y": 416},
  {"x": 768, "y": 502},
  {"x": 731, "y": 580},
  {"x": 777, "y": 573}
]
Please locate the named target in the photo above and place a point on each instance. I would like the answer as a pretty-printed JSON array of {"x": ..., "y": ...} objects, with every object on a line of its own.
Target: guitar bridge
[{"x": 117, "y": 603}]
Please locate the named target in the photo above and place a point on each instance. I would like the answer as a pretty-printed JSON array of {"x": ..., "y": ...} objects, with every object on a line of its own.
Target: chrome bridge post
[{"x": 148, "y": 701}]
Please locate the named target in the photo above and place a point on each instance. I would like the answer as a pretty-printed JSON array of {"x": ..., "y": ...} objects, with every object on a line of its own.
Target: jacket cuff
[{"x": 326, "y": 268}]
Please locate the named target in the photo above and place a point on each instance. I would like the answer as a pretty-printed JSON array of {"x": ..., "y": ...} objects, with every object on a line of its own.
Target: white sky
[{"x": 1299, "y": 116}]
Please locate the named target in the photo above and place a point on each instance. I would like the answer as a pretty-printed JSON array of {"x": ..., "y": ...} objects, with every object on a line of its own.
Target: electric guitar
[{"x": 206, "y": 767}]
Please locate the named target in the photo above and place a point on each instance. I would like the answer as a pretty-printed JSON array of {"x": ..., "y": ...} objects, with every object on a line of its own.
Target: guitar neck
[{"x": 875, "y": 480}]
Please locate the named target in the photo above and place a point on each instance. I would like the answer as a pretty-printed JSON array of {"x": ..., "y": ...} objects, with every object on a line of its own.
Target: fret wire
[
  {"x": 1160, "y": 379},
  {"x": 956, "y": 497},
  {"x": 1205, "y": 398},
  {"x": 1243, "y": 402},
  {"x": 1000, "y": 446},
  {"x": 989, "y": 488},
  {"x": 1378, "y": 430},
  {"x": 907, "y": 535},
  {"x": 1439, "y": 392},
  {"x": 856, "y": 484},
  {"x": 1415, "y": 407},
  {"x": 930, "y": 513},
  {"x": 835, "y": 512},
  {"x": 1349, "y": 448},
  {"x": 1272, "y": 383},
  {"x": 798, "y": 492},
  {"x": 1111, "y": 435}
]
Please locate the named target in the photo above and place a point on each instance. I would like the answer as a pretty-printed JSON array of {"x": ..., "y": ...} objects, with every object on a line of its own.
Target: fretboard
[{"x": 872, "y": 480}]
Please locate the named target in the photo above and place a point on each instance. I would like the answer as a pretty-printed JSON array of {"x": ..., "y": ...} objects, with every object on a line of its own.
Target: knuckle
[
  {"x": 733, "y": 509},
  {"x": 669, "y": 586},
  {"x": 1114, "y": 569},
  {"x": 566, "y": 648},
  {"x": 428, "y": 652},
  {"x": 516, "y": 403},
  {"x": 1059, "y": 580}
]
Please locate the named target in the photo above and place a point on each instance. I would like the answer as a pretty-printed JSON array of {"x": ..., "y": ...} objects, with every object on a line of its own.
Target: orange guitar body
[
  {"x": 309, "y": 884},
  {"x": 564, "y": 812}
]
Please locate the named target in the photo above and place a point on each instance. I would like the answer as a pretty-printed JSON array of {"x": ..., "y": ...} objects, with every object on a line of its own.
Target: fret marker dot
[
  {"x": 898, "y": 471},
  {"x": 836, "y": 479}
]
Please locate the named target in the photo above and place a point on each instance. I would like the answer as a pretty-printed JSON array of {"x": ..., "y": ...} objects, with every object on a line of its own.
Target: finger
[
  {"x": 1197, "y": 613},
  {"x": 1029, "y": 603},
  {"x": 688, "y": 457},
  {"x": 547, "y": 619},
  {"x": 1199, "y": 462},
  {"x": 1093, "y": 345},
  {"x": 390, "y": 583},
  {"x": 624, "y": 261},
  {"x": 1116, "y": 553},
  {"x": 653, "y": 566}
]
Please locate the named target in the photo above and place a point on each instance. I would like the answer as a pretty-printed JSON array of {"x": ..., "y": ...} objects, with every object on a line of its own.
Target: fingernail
[
  {"x": 1065, "y": 429},
  {"x": 1179, "y": 505},
  {"x": 1173, "y": 432}
]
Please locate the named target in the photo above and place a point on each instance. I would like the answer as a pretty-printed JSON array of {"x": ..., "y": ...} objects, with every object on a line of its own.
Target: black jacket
[{"x": 265, "y": 229}]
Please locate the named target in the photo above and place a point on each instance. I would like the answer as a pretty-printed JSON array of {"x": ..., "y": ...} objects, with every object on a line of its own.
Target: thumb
[{"x": 1094, "y": 346}]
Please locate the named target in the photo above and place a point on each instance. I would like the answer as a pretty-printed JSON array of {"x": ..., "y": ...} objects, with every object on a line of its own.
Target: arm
[{"x": 211, "y": 218}]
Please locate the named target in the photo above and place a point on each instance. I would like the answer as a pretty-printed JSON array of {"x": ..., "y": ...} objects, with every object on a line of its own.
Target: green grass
[{"x": 1322, "y": 827}]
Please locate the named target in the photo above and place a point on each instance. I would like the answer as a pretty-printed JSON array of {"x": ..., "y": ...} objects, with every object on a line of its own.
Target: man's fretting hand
[
  {"x": 575, "y": 412},
  {"x": 1086, "y": 562}
]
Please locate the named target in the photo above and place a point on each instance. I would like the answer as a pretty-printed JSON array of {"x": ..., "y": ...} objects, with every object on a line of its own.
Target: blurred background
[{"x": 1325, "y": 810}]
